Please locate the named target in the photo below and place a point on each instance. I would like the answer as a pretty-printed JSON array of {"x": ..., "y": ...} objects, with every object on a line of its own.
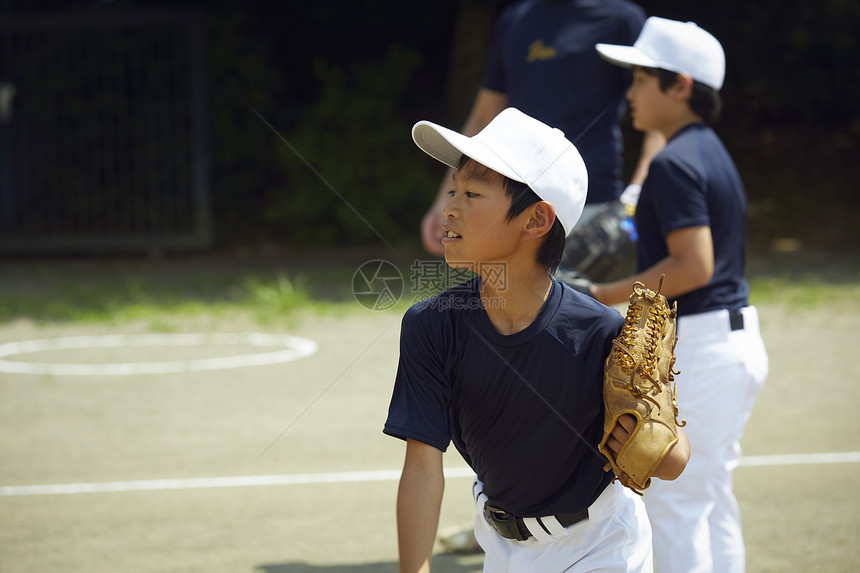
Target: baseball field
[{"x": 224, "y": 414}]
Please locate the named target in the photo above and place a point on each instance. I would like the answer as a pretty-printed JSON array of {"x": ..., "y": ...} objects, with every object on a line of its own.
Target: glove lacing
[{"x": 647, "y": 367}]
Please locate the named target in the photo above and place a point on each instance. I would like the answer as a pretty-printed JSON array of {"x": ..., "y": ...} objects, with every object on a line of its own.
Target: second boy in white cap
[
  {"x": 509, "y": 368},
  {"x": 691, "y": 222}
]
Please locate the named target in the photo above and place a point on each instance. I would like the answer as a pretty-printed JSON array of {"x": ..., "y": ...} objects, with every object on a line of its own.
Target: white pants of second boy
[
  {"x": 616, "y": 537},
  {"x": 695, "y": 519}
]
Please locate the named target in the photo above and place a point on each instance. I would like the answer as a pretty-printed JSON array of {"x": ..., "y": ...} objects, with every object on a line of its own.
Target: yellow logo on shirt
[{"x": 538, "y": 51}]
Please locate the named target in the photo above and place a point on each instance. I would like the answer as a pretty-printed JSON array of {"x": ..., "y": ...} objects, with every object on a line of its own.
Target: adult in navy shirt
[
  {"x": 691, "y": 219},
  {"x": 542, "y": 61}
]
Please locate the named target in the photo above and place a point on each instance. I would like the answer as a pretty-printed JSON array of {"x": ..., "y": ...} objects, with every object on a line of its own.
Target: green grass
[
  {"x": 162, "y": 297},
  {"x": 266, "y": 299},
  {"x": 807, "y": 294}
]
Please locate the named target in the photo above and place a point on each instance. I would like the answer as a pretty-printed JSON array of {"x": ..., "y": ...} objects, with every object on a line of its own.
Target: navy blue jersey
[
  {"x": 694, "y": 182},
  {"x": 525, "y": 411},
  {"x": 543, "y": 57}
]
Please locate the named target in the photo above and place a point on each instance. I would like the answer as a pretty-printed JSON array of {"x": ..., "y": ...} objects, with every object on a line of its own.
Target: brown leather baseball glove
[{"x": 638, "y": 376}]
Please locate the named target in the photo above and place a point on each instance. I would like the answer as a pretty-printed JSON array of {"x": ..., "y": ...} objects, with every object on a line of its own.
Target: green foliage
[
  {"x": 243, "y": 160},
  {"x": 805, "y": 71},
  {"x": 352, "y": 174}
]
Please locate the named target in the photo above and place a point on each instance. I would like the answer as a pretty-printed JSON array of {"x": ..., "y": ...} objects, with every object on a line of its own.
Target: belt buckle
[{"x": 503, "y": 522}]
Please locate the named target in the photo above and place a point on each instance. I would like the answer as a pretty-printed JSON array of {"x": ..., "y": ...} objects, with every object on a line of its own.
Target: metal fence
[{"x": 103, "y": 133}]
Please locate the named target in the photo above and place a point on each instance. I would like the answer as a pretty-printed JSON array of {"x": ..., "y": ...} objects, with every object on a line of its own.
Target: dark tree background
[{"x": 343, "y": 82}]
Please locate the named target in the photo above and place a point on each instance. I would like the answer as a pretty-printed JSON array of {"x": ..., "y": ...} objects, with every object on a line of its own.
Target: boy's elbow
[
  {"x": 703, "y": 276},
  {"x": 699, "y": 274},
  {"x": 687, "y": 276},
  {"x": 673, "y": 469},
  {"x": 675, "y": 462}
]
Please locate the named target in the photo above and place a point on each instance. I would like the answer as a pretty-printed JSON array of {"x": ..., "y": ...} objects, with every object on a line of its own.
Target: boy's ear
[
  {"x": 541, "y": 219},
  {"x": 683, "y": 87}
]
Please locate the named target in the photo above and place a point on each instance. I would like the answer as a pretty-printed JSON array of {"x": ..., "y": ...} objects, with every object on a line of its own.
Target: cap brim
[
  {"x": 448, "y": 146},
  {"x": 626, "y": 56}
]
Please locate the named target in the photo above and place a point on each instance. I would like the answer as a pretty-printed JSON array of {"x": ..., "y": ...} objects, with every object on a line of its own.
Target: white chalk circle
[{"x": 289, "y": 348}]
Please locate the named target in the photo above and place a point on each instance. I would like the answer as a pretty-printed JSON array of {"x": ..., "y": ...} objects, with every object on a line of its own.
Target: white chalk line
[
  {"x": 290, "y": 348},
  {"x": 215, "y": 482},
  {"x": 341, "y": 477}
]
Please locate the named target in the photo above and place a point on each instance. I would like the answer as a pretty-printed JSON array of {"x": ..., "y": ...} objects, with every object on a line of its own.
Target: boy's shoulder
[
  {"x": 584, "y": 325},
  {"x": 694, "y": 145},
  {"x": 690, "y": 138},
  {"x": 585, "y": 307}
]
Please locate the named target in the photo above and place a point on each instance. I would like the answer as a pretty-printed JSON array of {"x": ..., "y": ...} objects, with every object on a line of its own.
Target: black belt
[
  {"x": 736, "y": 320},
  {"x": 511, "y": 526}
]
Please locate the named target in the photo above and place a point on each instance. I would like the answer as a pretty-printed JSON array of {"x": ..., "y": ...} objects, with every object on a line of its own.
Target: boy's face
[
  {"x": 475, "y": 226},
  {"x": 650, "y": 107}
]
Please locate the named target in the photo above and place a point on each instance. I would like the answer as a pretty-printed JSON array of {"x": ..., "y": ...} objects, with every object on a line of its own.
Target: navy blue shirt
[
  {"x": 543, "y": 58},
  {"x": 693, "y": 182},
  {"x": 524, "y": 410}
]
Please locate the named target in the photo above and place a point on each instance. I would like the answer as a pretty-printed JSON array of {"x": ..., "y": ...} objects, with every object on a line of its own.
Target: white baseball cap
[
  {"x": 680, "y": 47},
  {"x": 520, "y": 148}
]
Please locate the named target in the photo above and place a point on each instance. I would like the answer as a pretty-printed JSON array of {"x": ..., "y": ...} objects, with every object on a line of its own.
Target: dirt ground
[{"x": 312, "y": 422}]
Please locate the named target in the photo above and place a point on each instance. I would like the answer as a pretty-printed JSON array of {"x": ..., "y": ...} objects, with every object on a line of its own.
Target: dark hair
[
  {"x": 522, "y": 196},
  {"x": 551, "y": 250},
  {"x": 705, "y": 101}
]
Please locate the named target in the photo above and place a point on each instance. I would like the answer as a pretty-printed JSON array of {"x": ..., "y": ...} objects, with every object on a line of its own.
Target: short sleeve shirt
[
  {"x": 693, "y": 182},
  {"x": 543, "y": 58},
  {"x": 525, "y": 411}
]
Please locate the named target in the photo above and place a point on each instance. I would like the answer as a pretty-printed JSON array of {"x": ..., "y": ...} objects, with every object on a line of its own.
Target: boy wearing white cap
[
  {"x": 691, "y": 222},
  {"x": 509, "y": 367}
]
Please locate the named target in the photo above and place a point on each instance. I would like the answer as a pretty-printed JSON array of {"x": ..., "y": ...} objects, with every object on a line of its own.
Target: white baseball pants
[
  {"x": 695, "y": 519},
  {"x": 616, "y": 537}
]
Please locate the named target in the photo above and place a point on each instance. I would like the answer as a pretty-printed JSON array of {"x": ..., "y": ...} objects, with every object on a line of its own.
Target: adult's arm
[{"x": 652, "y": 143}]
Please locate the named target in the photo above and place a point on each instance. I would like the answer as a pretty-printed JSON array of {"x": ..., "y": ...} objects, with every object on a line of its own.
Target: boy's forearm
[
  {"x": 419, "y": 499},
  {"x": 680, "y": 275}
]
